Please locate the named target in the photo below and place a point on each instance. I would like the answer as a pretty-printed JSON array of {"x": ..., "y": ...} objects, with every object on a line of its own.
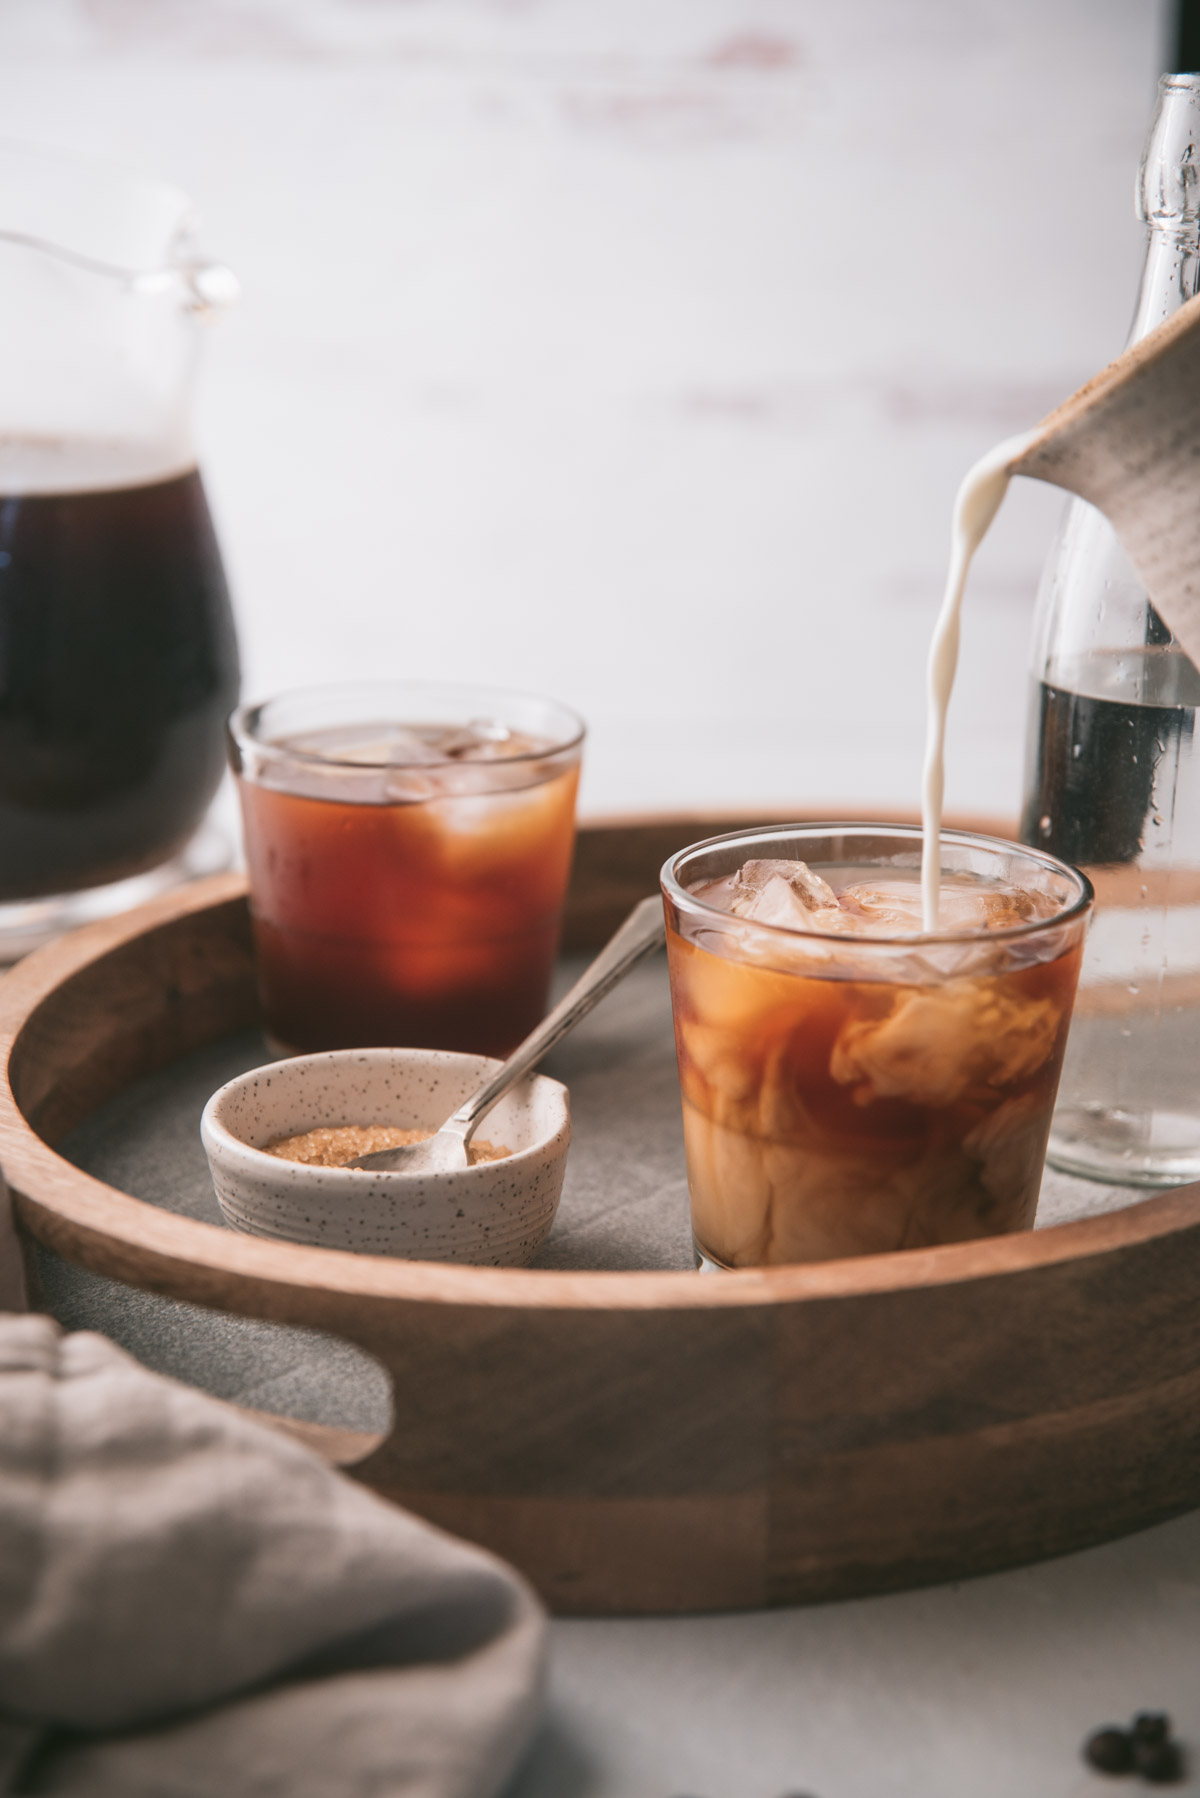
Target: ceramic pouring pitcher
[{"x": 1129, "y": 443}]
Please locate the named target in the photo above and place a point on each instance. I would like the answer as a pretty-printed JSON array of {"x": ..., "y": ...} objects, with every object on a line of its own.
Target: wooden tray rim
[{"x": 104, "y": 1218}]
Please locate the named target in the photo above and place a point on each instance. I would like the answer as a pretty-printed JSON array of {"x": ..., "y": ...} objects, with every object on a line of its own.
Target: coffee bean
[
  {"x": 1109, "y": 1750},
  {"x": 1160, "y": 1763},
  {"x": 1151, "y": 1726}
]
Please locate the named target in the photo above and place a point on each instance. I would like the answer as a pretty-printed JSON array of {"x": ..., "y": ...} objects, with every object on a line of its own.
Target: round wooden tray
[{"x": 653, "y": 1441}]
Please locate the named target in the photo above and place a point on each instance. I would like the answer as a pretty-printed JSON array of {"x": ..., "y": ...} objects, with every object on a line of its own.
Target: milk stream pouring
[
  {"x": 979, "y": 499},
  {"x": 1112, "y": 779}
]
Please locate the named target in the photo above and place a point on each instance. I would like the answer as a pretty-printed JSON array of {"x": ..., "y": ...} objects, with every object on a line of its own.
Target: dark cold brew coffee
[{"x": 118, "y": 666}]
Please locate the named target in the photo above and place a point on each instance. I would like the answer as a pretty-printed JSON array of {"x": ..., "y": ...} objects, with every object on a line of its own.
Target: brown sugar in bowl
[
  {"x": 494, "y": 1213},
  {"x": 337, "y": 1145}
]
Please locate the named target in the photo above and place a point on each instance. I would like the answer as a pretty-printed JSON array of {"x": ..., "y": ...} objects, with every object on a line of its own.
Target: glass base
[
  {"x": 705, "y": 1263},
  {"x": 1126, "y": 1148},
  {"x": 28, "y": 924}
]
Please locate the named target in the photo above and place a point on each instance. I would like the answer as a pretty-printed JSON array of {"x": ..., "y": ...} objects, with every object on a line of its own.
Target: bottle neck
[
  {"x": 1170, "y": 275},
  {"x": 1097, "y": 632}
]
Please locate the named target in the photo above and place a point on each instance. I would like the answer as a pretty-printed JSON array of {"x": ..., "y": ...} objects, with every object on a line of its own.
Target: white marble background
[{"x": 633, "y": 352}]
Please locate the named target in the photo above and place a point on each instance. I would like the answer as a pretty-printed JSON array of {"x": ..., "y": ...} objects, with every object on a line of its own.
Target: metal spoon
[{"x": 642, "y": 932}]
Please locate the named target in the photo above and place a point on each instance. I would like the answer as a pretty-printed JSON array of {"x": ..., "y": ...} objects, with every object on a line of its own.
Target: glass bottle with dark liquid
[
  {"x": 1112, "y": 777},
  {"x": 118, "y": 661}
]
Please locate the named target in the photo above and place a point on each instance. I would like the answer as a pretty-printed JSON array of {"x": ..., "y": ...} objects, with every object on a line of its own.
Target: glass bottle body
[{"x": 1112, "y": 777}]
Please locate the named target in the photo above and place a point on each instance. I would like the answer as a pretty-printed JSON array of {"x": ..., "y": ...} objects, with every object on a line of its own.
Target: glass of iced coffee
[
  {"x": 852, "y": 1084},
  {"x": 408, "y": 846}
]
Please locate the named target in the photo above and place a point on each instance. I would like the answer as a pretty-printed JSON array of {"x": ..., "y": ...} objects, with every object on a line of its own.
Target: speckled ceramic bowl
[{"x": 496, "y": 1213}]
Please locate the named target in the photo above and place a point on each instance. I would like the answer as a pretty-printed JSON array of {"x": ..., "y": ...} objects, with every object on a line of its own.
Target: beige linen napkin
[{"x": 193, "y": 1606}]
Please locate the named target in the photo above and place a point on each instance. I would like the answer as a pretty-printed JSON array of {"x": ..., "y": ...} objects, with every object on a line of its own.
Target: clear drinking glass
[
  {"x": 847, "y": 1094},
  {"x": 409, "y": 845},
  {"x": 118, "y": 664}
]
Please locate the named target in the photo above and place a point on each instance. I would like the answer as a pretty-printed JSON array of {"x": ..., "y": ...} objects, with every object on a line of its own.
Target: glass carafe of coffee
[{"x": 118, "y": 662}]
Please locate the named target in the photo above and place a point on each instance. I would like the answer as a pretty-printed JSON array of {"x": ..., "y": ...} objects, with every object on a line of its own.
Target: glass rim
[
  {"x": 678, "y": 894},
  {"x": 240, "y": 725}
]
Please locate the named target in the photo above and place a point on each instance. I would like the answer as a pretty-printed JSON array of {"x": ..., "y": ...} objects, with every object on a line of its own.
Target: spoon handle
[{"x": 642, "y": 932}]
